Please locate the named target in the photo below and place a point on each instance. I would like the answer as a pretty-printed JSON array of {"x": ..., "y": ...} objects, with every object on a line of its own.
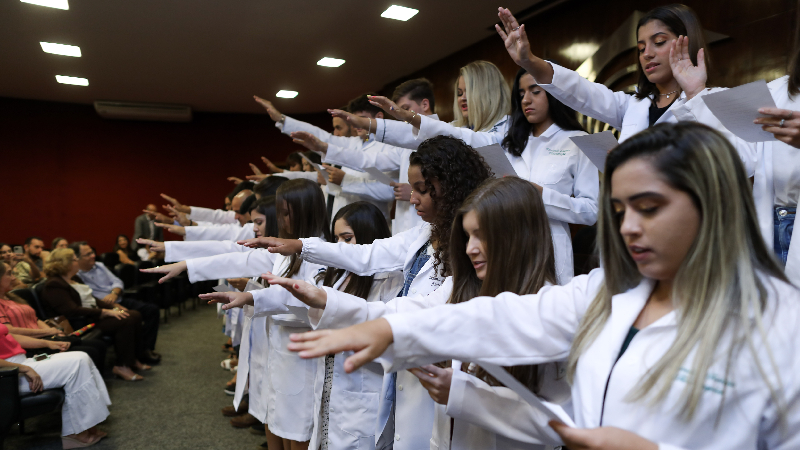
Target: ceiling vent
[{"x": 143, "y": 111}]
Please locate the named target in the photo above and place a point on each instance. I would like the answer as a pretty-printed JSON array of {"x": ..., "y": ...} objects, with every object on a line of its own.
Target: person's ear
[
  {"x": 426, "y": 105},
  {"x": 379, "y": 115}
]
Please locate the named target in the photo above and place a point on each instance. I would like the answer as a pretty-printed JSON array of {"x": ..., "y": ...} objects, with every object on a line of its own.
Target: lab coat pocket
[
  {"x": 356, "y": 412},
  {"x": 288, "y": 372},
  {"x": 550, "y": 169}
]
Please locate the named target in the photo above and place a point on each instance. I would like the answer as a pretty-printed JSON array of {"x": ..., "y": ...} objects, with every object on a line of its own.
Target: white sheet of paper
[
  {"x": 316, "y": 167},
  {"x": 737, "y": 108},
  {"x": 551, "y": 410},
  {"x": 252, "y": 286},
  {"x": 379, "y": 176},
  {"x": 495, "y": 157},
  {"x": 224, "y": 288},
  {"x": 596, "y": 147},
  {"x": 300, "y": 312}
]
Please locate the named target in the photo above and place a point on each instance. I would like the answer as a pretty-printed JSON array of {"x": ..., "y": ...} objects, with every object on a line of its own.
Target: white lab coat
[
  {"x": 254, "y": 346},
  {"x": 758, "y": 163},
  {"x": 290, "y": 390},
  {"x": 358, "y": 186},
  {"x": 354, "y": 397},
  {"x": 533, "y": 329},
  {"x": 622, "y": 111},
  {"x": 216, "y": 216},
  {"x": 569, "y": 180},
  {"x": 414, "y": 409},
  {"x": 404, "y": 135},
  {"x": 227, "y": 232}
]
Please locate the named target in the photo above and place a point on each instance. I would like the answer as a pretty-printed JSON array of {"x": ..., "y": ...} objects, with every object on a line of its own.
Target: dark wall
[
  {"x": 760, "y": 40},
  {"x": 68, "y": 172}
]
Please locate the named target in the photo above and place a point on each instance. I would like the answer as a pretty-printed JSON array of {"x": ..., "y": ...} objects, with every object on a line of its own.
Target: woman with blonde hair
[
  {"x": 683, "y": 339},
  {"x": 61, "y": 294}
]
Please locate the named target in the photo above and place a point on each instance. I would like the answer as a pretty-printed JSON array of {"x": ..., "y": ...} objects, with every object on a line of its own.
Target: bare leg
[
  {"x": 300, "y": 445},
  {"x": 274, "y": 442}
]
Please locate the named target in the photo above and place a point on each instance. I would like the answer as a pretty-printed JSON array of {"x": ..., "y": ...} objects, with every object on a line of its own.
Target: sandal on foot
[
  {"x": 68, "y": 442},
  {"x": 134, "y": 377}
]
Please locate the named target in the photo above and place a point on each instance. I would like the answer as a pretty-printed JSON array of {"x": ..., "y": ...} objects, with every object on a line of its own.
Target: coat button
[
  {"x": 414, "y": 291},
  {"x": 396, "y": 437},
  {"x": 399, "y": 387}
]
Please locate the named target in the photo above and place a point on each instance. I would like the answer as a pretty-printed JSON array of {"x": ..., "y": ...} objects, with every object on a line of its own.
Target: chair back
[{"x": 29, "y": 295}]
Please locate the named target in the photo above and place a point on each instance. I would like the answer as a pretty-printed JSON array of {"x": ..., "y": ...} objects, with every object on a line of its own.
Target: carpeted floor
[{"x": 178, "y": 404}]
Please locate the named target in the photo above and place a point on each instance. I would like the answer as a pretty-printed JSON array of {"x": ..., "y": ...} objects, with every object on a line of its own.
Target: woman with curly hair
[{"x": 443, "y": 172}]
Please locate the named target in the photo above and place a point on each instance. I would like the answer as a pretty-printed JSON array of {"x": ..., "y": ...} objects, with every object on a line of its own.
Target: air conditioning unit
[{"x": 143, "y": 111}]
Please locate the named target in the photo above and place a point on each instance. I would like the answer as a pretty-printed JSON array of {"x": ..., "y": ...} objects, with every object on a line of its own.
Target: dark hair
[
  {"x": 247, "y": 204},
  {"x": 459, "y": 169},
  {"x": 243, "y": 186},
  {"x": 76, "y": 247},
  {"x": 308, "y": 216},
  {"x": 515, "y": 232},
  {"x": 30, "y": 239},
  {"x": 520, "y": 129},
  {"x": 268, "y": 186},
  {"x": 128, "y": 251},
  {"x": 294, "y": 158},
  {"x": 55, "y": 242},
  {"x": 361, "y": 103},
  {"x": 266, "y": 206},
  {"x": 417, "y": 90},
  {"x": 313, "y": 156},
  {"x": 681, "y": 21},
  {"x": 368, "y": 223}
]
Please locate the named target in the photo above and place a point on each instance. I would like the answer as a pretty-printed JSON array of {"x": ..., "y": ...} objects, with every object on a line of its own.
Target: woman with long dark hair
[{"x": 538, "y": 145}]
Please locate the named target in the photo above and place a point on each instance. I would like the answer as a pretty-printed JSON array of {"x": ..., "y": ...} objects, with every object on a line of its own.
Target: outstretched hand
[
  {"x": 515, "y": 38},
  {"x": 309, "y": 141},
  {"x": 170, "y": 270},
  {"x": 691, "y": 78},
  {"x": 174, "y": 229},
  {"x": 162, "y": 218},
  {"x": 285, "y": 247},
  {"x": 273, "y": 112},
  {"x": 358, "y": 122},
  {"x": 303, "y": 291},
  {"x": 783, "y": 123},
  {"x": 369, "y": 340},
  {"x": 176, "y": 204},
  {"x": 155, "y": 246},
  {"x": 272, "y": 167},
  {"x": 235, "y": 180},
  {"x": 391, "y": 107},
  {"x": 229, "y": 300}
]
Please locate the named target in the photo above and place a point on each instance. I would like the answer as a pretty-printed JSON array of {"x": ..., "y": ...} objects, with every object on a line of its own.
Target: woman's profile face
[
  {"x": 654, "y": 41},
  {"x": 343, "y": 232},
  {"x": 6, "y": 253},
  {"x": 259, "y": 223},
  {"x": 421, "y": 195},
  {"x": 461, "y": 95},
  {"x": 7, "y": 278},
  {"x": 62, "y": 244},
  {"x": 475, "y": 249},
  {"x": 122, "y": 241},
  {"x": 658, "y": 223}
]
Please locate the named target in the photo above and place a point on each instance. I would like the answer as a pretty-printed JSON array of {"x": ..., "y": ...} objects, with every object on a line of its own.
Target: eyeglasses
[{"x": 91, "y": 253}]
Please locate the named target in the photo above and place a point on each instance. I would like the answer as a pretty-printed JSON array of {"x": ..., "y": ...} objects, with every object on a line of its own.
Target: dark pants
[
  {"x": 127, "y": 335},
  {"x": 150, "y": 320}
]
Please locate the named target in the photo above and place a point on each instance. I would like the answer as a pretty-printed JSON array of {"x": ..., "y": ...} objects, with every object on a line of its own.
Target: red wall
[{"x": 68, "y": 172}]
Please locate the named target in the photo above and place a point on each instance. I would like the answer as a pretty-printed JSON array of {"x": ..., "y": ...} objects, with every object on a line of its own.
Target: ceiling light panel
[
  {"x": 286, "y": 94},
  {"x": 58, "y": 4},
  {"x": 399, "y": 13},
  {"x": 72, "y": 80},
  {"x": 61, "y": 49},
  {"x": 330, "y": 62}
]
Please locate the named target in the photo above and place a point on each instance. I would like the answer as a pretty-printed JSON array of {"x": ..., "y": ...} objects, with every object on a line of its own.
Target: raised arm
[
  {"x": 219, "y": 216},
  {"x": 228, "y": 232},
  {"x": 183, "y": 250}
]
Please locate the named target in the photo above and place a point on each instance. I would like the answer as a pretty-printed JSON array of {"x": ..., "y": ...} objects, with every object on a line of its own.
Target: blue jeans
[{"x": 784, "y": 224}]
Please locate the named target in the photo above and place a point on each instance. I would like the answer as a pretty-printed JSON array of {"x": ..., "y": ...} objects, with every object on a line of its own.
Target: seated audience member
[
  {"x": 86, "y": 401},
  {"x": 33, "y": 248},
  {"x": 59, "y": 242},
  {"x": 145, "y": 226},
  {"x": 125, "y": 326},
  {"x": 12, "y": 259},
  {"x": 123, "y": 249},
  {"x": 25, "y": 268},
  {"x": 107, "y": 289},
  {"x": 20, "y": 318}
]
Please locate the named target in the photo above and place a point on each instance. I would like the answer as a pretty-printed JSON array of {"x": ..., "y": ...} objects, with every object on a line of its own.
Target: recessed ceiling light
[
  {"x": 399, "y": 13},
  {"x": 61, "y": 49},
  {"x": 330, "y": 62},
  {"x": 59, "y": 4},
  {"x": 72, "y": 80},
  {"x": 286, "y": 94}
]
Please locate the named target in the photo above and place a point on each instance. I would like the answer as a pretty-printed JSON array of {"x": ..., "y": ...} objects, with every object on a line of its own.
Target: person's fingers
[
  {"x": 145, "y": 241},
  {"x": 523, "y": 37},
  {"x": 778, "y": 131},
  {"x": 255, "y": 169},
  {"x": 309, "y": 336},
  {"x": 357, "y": 360},
  {"x": 701, "y": 59},
  {"x": 423, "y": 375},
  {"x": 500, "y": 31},
  {"x": 778, "y": 112},
  {"x": 511, "y": 19},
  {"x": 433, "y": 370},
  {"x": 572, "y": 437}
]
